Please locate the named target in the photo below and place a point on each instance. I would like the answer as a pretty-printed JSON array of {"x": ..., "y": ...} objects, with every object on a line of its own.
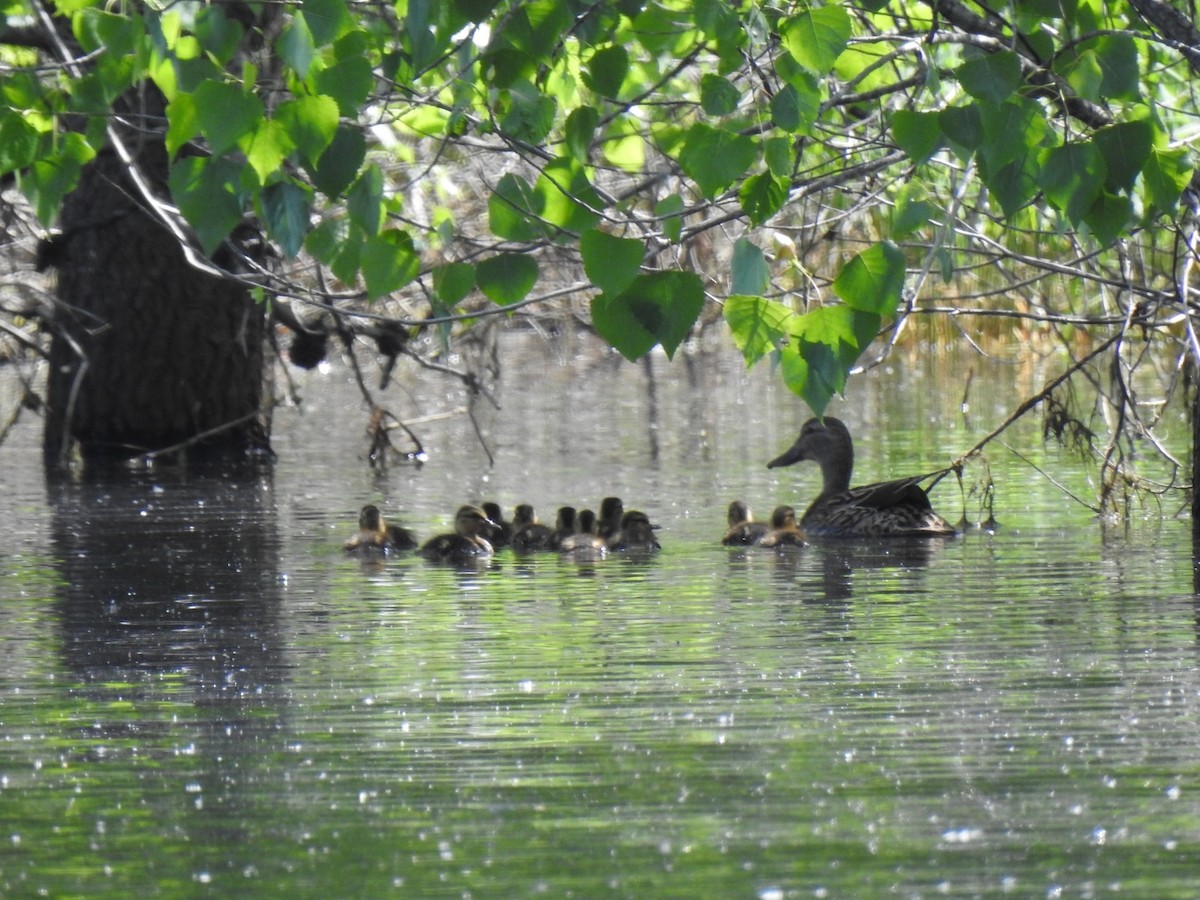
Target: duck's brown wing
[{"x": 884, "y": 494}]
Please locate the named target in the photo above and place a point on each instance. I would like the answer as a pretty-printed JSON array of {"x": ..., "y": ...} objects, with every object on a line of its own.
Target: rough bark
[{"x": 148, "y": 353}]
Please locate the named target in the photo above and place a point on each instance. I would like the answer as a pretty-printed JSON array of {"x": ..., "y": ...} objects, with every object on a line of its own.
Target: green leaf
[
  {"x": 529, "y": 114},
  {"x": 779, "y": 156},
  {"x": 963, "y": 125},
  {"x": 714, "y": 158},
  {"x": 1125, "y": 149},
  {"x": 327, "y": 20},
  {"x": 1108, "y": 217},
  {"x": 286, "y": 207},
  {"x": 797, "y": 104},
  {"x": 311, "y": 122},
  {"x": 507, "y": 278},
  {"x": 207, "y": 191},
  {"x": 759, "y": 326},
  {"x": 219, "y": 35},
  {"x": 1072, "y": 176},
  {"x": 364, "y": 201},
  {"x": 329, "y": 243},
  {"x": 816, "y": 38},
  {"x": 52, "y": 177},
  {"x": 1165, "y": 175},
  {"x": 453, "y": 281},
  {"x": 658, "y": 308},
  {"x": 873, "y": 281},
  {"x": 568, "y": 199},
  {"x": 763, "y": 195},
  {"x": 1084, "y": 75},
  {"x": 610, "y": 262},
  {"x": 183, "y": 122},
  {"x": 349, "y": 82},
  {"x": 750, "y": 274},
  {"x": 606, "y": 71},
  {"x": 1015, "y": 185},
  {"x": 580, "y": 129},
  {"x": 514, "y": 209},
  {"x": 1118, "y": 56},
  {"x": 20, "y": 143},
  {"x": 295, "y": 45},
  {"x": 266, "y": 147},
  {"x": 225, "y": 113},
  {"x": 718, "y": 96},
  {"x": 389, "y": 262},
  {"x": 828, "y": 341},
  {"x": 912, "y": 210},
  {"x": 339, "y": 164},
  {"x": 992, "y": 76},
  {"x": 918, "y": 134},
  {"x": 668, "y": 209}
]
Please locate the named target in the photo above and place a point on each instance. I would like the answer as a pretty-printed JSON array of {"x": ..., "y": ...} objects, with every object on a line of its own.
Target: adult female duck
[{"x": 888, "y": 509}]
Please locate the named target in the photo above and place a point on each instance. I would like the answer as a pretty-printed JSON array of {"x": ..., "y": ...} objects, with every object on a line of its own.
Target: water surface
[{"x": 202, "y": 695}]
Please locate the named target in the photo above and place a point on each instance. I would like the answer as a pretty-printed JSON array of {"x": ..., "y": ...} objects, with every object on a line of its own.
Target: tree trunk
[{"x": 148, "y": 353}]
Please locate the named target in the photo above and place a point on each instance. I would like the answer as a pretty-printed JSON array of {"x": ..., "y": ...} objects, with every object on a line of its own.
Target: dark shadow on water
[{"x": 165, "y": 571}]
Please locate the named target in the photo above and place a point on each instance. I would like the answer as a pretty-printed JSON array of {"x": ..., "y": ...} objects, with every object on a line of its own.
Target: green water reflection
[{"x": 1012, "y": 714}]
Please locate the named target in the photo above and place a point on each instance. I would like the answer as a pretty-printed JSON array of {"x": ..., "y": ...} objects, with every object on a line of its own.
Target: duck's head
[
  {"x": 821, "y": 441},
  {"x": 492, "y": 511},
  {"x": 611, "y": 509},
  {"x": 370, "y": 518},
  {"x": 471, "y": 521},
  {"x": 585, "y": 522},
  {"x": 738, "y": 513},
  {"x": 565, "y": 520},
  {"x": 523, "y": 515},
  {"x": 783, "y": 517}
]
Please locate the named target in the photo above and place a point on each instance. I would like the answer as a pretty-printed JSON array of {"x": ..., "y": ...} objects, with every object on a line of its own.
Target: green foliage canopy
[{"x": 611, "y": 140}]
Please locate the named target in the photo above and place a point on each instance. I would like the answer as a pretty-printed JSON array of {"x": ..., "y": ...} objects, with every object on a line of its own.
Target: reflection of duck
[
  {"x": 499, "y": 535},
  {"x": 743, "y": 530},
  {"x": 784, "y": 531},
  {"x": 467, "y": 544},
  {"x": 376, "y": 534},
  {"x": 584, "y": 545},
  {"x": 609, "y": 523},
  {"x": 635, "y": 533},
  {"x": 886, "y": 509},
  {"x": 529, "y": 535}
]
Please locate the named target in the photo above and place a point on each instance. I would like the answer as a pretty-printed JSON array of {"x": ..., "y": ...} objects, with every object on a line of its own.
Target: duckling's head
[
  {"x": 471, "y": 521},
  {"x": 492, "y": 511},
  {"x": 611, "y": 509},
  {"x": 523, "y": 515},
  {"x": 565, "y": 520},
  {"x": 585, "y": 522},
  {"x": 783, "y": 517},
  {"x": 739, "y": 512},
  {"x": 370, "y": 518}
]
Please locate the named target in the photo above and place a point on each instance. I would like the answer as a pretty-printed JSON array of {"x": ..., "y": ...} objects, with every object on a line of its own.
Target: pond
[{"x": 202, "y": 694}]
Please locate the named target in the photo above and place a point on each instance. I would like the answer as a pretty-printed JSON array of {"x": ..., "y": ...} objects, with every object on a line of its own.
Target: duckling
[
  {"x": 886, "y": 509},
  {"x": 564, "y": 526},
  {"x": 376, "y": 534},
  {"x": 743, "y": 530},
  {"x": 529, "y": 535},
  {"x": 609, "y": 523},
  {"x": 584, "y": 545},
  {"x": 784, "y": 531},
  {"x": 501, "y": 535},
  {"x": 466, "y": 544},
  {"x": 635, "y": 533}
]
